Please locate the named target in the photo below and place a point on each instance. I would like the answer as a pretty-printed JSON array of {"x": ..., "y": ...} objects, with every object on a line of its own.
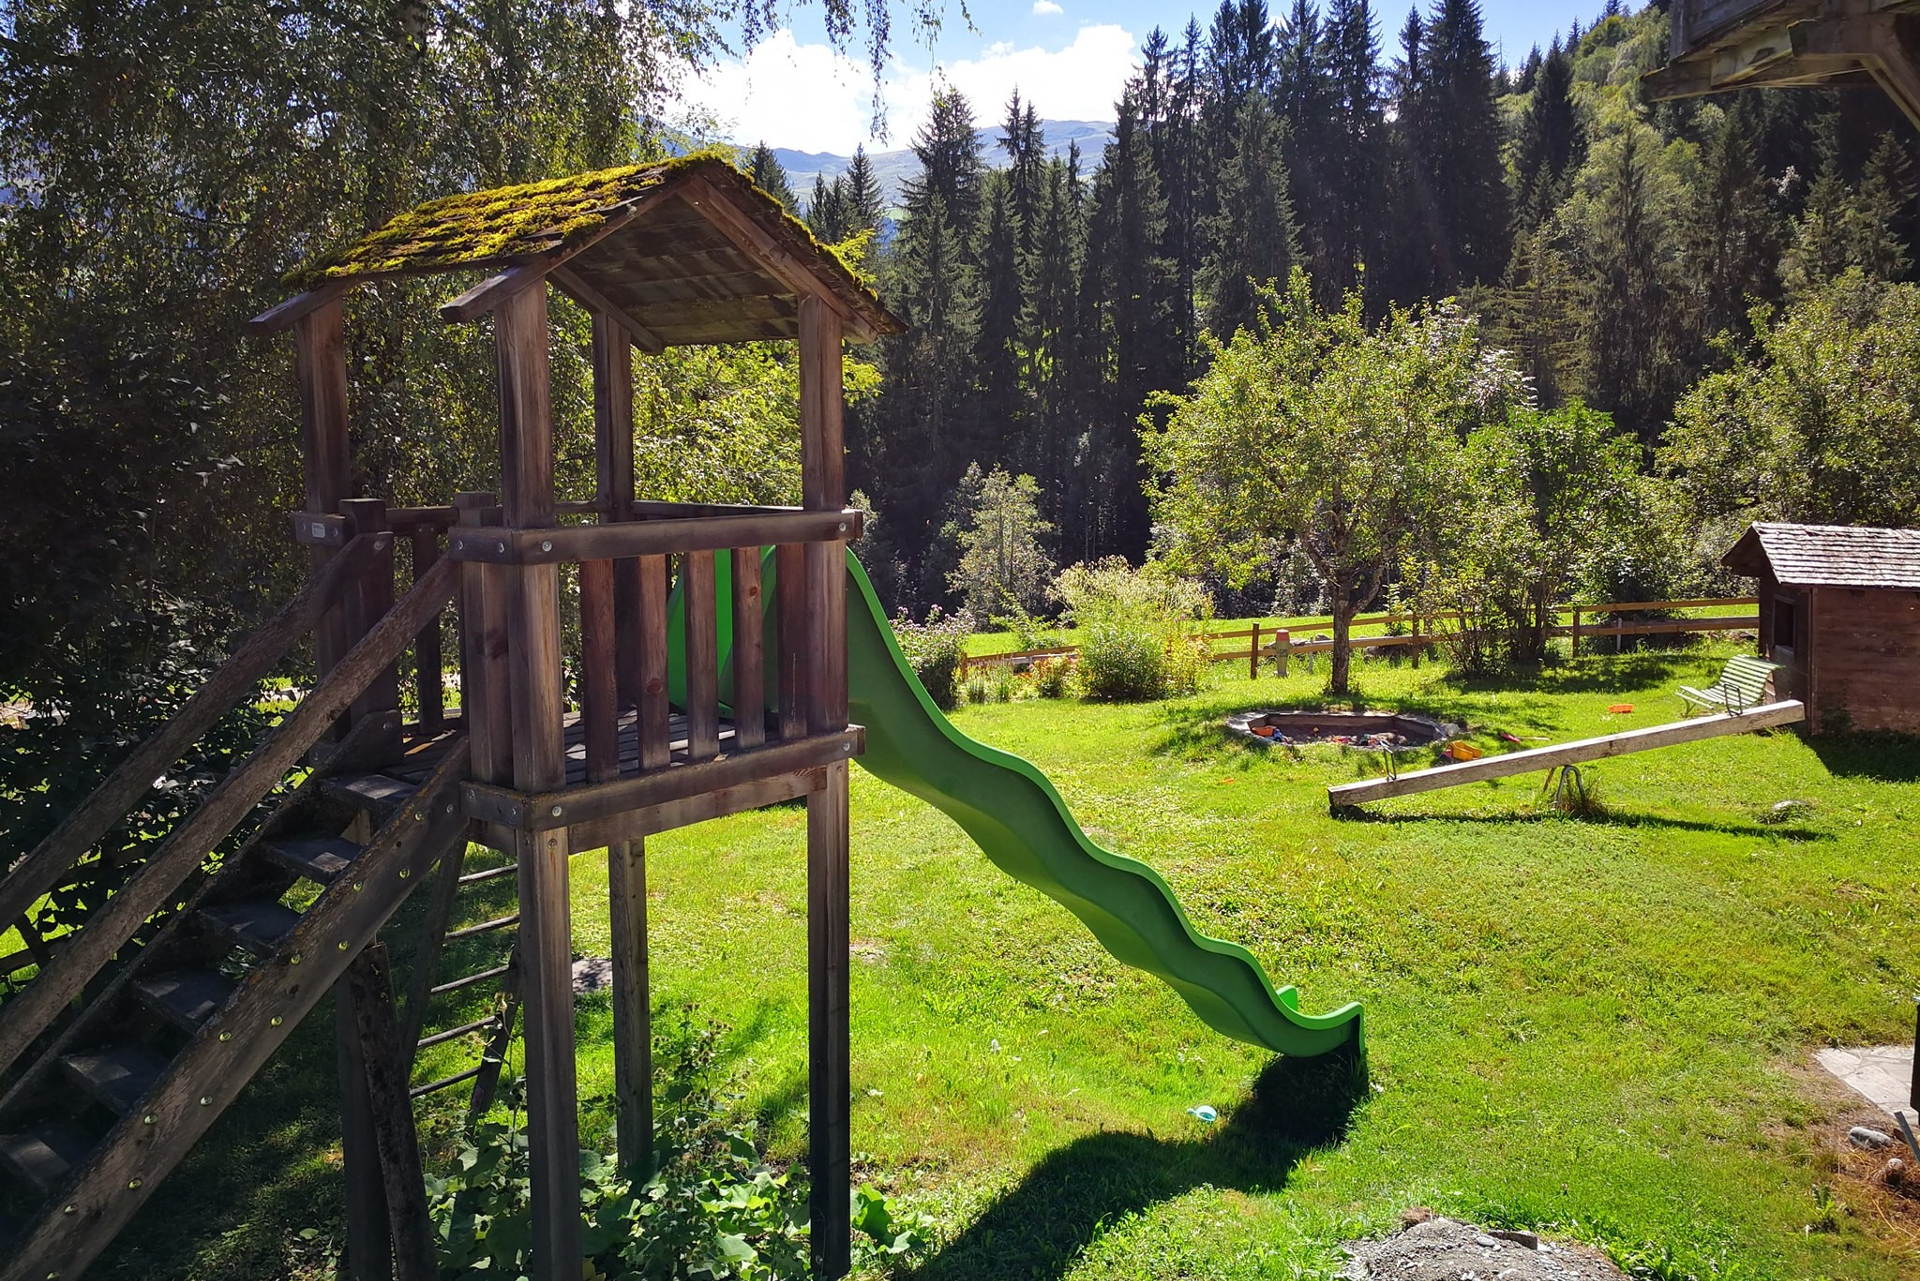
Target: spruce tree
[
  {"x": 1303, "y": 95},
  {"x": 1355, "y": 170},
  {"x": 999, "y": 417},
  {"x": 862, "y": 193},
  {"x": 827, "y": 211},
  {"x": 950, "y": 166},
  {"x": 771, "y": 177},
  {"x": 1253, "y": 235},
  {"x": 1552, "y": 143},
  {"x": 1456, "y": 136},
  {"x": 1733, "y": 233}
]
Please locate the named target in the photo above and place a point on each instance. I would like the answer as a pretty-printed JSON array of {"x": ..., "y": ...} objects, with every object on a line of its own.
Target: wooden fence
[{"x": 1278, "y": 642}]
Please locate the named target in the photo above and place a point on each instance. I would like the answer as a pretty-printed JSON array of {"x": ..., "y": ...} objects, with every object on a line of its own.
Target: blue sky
[{"x": 1069, "y": 56}]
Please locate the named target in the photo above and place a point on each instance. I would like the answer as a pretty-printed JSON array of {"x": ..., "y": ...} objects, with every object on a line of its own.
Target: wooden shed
[{"x": 1840, "y": 611}]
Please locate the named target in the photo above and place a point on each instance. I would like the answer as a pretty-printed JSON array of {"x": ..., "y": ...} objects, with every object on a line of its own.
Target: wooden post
[
  {"x": 321, "y": 366},
  {"x": 427, "y": 659},
  {"x": 613, "y": 484},
  {"x": 539, "y": 764},
  {"x": 1573, "y": 649},
  {"x": 374, "y": 598},
  {"x": 824, "y": 682},
  {"x": 1253, "y": 654},
  {"x": 1417, "y": 644},
  {"x": 369, "y": 1235},
  {"x": 483, "y": 648},
  {"x": 632, "y": 1016},
  {"x": 384, "y": 1060},
  {"x": 1282, "y": 638}
]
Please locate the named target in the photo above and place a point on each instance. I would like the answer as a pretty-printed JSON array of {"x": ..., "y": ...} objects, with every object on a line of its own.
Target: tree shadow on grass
[{"x": 1038, "y": 1229}]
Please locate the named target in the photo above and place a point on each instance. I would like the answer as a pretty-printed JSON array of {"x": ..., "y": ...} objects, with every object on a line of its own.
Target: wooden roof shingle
[{"x": 1828, "y": 555}]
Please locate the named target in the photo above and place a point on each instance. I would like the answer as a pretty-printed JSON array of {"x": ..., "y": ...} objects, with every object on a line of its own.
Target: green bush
[
  {"x": 1135, "y": 629},
  {"x": 1051, "y": 676},
  {"x": 936, "y": 649},
  {"x": 713, "y": 1208}
]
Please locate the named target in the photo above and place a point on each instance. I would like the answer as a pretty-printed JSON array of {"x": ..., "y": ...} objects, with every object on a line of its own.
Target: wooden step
[
  {"x": 118, "y": 1076},
  {"x": 376, "y": 793},
  {"x": 186, "y": 999},
  {"x": 318, "y": 858},
  {"x": 258, "y": 927},
  {"x": 45, "y": 1154}
]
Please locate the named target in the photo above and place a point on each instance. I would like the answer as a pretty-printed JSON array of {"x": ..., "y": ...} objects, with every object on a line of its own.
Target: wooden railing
[
  {"x": 157, "y": 880},
  {"x": 625, "y": 681},
  {"x": 1263, "y": 642}
]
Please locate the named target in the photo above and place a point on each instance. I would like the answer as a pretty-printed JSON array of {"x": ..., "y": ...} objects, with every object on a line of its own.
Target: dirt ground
[{"x": 1439, "y": 1249}]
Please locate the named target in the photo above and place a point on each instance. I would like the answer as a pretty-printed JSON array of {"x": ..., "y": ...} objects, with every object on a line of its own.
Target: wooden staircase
[{"x": 115, "y": 1071}]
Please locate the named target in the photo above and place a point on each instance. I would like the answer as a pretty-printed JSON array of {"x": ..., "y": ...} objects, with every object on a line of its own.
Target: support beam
[
  {"x": 385, "y": 1061},
  {"x": 1574, "y": 753},
  {"x": 829, "y": 1071},
  {"x": 321, "y": 366},
  {"x": 533, "y": 670},
  {"x": 632, "y": 1015}
]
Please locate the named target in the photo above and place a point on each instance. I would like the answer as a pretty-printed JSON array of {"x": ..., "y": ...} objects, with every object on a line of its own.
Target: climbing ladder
[
  {"x": 427, "y": 986},
  {"x": 114, "y": 1072}
]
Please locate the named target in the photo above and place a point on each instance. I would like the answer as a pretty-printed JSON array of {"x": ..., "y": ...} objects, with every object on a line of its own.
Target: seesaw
[{"x": 1349, "y": 795}]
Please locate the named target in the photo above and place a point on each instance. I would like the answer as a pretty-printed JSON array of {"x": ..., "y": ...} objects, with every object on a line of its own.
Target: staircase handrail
[
  {"x": 40, "y": 871},
  {"x": 116, "y": 921}
]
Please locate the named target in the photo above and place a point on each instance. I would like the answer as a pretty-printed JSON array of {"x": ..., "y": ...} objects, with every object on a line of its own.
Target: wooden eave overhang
[
  {"x": 1735, "y": 44},
  {"x": 1854, "y": 556},
  {"x": 683, "y": 252}
]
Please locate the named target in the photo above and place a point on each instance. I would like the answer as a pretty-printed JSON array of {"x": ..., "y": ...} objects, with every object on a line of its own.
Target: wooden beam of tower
[
  {"x": 533, "y": 672},
  {"x": 823, "y": 695}
]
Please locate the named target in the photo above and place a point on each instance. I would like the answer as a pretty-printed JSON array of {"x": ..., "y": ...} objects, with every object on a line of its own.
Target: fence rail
[{"x": 1272, "y": 642}]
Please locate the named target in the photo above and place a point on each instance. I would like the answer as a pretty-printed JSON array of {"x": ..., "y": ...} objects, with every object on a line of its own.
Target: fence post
[
  {"x": 1281, "y": 639},
  {"x": 1573, "y": 649},
  {"x": 1417, "y": 646},
  {"x": 1253, "y": 654}
]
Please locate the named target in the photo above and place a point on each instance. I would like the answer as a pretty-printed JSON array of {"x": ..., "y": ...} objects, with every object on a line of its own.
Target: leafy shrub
[
  {"x": 1135, "y": 628},
  {"x": 1051, "y": 676},
  {"x": 713, "y": 1208},
  {"x": 936, "y": 649}
]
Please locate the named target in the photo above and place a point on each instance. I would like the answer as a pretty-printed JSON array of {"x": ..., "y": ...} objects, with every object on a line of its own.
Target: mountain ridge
[{"x": 894, "y": 168}]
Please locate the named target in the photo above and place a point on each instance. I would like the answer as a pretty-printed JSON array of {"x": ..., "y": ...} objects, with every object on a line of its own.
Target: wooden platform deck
[{"x": 423, "y": 752}]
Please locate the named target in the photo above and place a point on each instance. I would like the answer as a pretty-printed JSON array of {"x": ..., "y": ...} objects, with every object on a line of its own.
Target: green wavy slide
[{"x": 1019, "y": 822}]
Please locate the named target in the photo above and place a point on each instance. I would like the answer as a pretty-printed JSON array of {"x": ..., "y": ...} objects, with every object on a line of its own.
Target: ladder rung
[
  {"x": 444, "y": 1082},
  {"x": 455, "y": 985},
  {"x": 453, "y": 1032},
  {"x": 474, "y": 878},
  {"x": 485, "y": 927}
]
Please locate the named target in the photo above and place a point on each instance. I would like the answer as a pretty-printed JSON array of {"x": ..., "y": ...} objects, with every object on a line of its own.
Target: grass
[{"x": 1596, "y": 1028}]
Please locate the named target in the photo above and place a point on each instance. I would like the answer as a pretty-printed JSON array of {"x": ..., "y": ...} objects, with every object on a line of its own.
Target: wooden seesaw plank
[{"x": 1586, "y": 749}]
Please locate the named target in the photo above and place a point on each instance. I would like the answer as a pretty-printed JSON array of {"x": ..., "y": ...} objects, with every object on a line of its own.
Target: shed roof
[
  {"x": 683, "y": 251},
  {"x": 1829, "y": 555}
]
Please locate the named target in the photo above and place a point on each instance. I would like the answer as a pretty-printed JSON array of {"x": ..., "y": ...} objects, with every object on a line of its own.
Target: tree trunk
[{"x": 1342, "y": 643}]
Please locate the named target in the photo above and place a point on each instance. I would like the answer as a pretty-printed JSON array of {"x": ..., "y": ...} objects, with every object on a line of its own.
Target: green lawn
[{"x": 1597, "y": 1028}]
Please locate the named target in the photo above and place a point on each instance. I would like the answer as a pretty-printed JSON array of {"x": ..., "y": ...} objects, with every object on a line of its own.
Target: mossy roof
[{"x": 567, "y": 218}]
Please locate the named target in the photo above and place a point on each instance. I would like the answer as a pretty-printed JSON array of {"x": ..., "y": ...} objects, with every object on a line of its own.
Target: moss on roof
[{"x": 507, "y": 224}]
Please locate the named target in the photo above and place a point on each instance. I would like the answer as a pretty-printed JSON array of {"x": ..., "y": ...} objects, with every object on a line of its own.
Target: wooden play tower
[{"x": 146, "y": 1021}]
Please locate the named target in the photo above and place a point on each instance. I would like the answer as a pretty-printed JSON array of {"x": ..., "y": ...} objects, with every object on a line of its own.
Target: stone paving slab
[{"x": 1880, "y": 1074}]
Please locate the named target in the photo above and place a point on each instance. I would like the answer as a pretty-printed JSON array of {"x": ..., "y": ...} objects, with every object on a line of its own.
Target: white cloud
[
  {"x": 1046, "y": 9},
  {"x": 809, "y": 98}
]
